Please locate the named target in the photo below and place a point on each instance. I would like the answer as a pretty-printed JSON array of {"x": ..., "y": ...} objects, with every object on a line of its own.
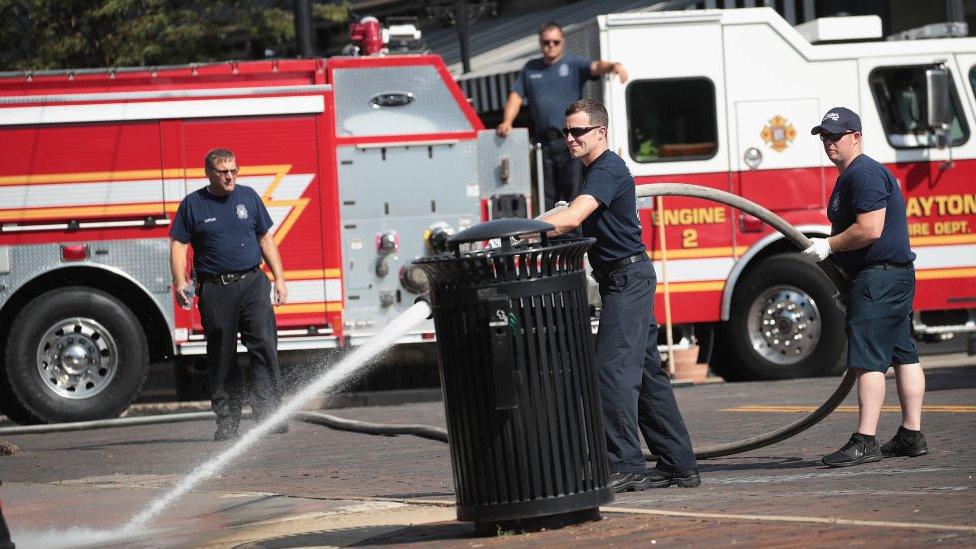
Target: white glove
[{"x": 819, "y": 250}]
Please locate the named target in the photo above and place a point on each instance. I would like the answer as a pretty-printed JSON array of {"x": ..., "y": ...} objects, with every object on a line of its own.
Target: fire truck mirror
[{"x": 939, "y": 102}]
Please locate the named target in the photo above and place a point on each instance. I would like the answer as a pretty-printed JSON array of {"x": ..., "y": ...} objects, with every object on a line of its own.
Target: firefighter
[
  {"x": 636, "y": 392},
  {"x": 870, "y": 242},
  {"x": 550, "y": 83},
  {"x": 228, "y": 227}
]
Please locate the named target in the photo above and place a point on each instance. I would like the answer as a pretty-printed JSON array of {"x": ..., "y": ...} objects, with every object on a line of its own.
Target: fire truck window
[
  {"x": 901, "y": 96},
  {"x": 672, "y": 119}
]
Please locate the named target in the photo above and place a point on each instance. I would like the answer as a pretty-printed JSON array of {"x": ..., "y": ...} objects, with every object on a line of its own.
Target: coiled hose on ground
[{"x": 440, "y": 434}]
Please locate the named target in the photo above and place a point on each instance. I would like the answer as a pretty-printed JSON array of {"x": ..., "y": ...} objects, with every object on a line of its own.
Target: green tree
[{"x": 50, "y": 34}]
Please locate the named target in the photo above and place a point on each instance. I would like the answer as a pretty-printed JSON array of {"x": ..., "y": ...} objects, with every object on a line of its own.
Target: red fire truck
[
  {"x": 726, "y": 99},
  {"x": 364, "y": 163}
]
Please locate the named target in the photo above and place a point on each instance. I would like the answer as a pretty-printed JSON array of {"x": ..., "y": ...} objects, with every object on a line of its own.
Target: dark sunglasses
[
  {"x": 551, "y": 42},
  {"x": 832, "y": 137},
  {"x": 225, "y": 172},
  {"x": 578, "y": 132}
]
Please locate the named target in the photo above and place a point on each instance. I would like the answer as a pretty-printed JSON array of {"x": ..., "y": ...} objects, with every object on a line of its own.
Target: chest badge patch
[
  {"x": 241, "y": 212},
  {"x": 778, "y": 133},
  {"x": 564, "y": 70}
]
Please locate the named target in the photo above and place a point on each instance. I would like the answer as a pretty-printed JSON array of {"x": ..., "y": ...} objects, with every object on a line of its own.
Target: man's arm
[
  {"x": 572, "y": 216},
  {"x": 599, "y": 68},
  {"x": 269, "y": 250},
  {"x": 865, "y": 230},
  {"x": 512, "y": 107},
  {"x": 177, "y": 267},
  {"x": 862, "y": 233}
]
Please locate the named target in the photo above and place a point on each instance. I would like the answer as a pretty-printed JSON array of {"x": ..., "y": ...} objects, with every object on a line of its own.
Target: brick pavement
[{"x": 98, "y": 478}]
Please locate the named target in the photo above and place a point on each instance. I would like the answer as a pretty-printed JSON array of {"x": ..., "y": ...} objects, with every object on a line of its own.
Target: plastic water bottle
[{"x": 188, "y": 294}]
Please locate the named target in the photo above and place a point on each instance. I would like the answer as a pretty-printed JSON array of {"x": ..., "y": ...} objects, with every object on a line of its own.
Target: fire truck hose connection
[{"x": 437, "y": 433}]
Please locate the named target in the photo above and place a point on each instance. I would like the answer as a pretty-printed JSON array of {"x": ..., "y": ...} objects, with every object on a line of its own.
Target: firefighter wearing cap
[
  {"x": 869, "y": 241},
  {"x": 635, "y": 391}
]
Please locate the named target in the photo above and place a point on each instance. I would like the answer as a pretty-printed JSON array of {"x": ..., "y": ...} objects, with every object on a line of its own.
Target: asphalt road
[{"x": 318, "y": 487}]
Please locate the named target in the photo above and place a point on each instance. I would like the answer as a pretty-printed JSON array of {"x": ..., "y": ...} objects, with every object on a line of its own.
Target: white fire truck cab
[
  {"x": 726, "y": 99},
  {"x": 364, "y": 163}
]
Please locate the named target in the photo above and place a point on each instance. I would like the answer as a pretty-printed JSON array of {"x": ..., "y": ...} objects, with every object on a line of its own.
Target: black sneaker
[
  {"x": 657, "y": 478},
  {"x": 905, "y": 443},
  {"x": 859, "y": 449},
  {"x": 628, "y": 482}
]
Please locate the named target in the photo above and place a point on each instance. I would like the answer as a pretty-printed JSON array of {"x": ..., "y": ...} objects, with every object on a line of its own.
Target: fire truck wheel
[
  {"x": 73, "y": 354},
  {"x": 784, "y": 323}
]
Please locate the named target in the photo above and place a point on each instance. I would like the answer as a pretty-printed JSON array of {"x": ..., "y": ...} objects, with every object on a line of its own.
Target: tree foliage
[{"x": 48, "y": 34}]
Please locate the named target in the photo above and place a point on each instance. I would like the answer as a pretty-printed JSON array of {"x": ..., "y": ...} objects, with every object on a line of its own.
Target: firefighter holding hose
[
  {"x": 870, "y": 242},
  {"x": 636, "y": 393}
]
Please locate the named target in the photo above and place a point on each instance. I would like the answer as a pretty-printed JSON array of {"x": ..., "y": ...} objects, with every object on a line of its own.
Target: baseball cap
[{"x": 838, "y": 120}]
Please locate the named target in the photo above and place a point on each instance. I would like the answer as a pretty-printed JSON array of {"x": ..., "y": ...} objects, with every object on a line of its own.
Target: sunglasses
[
  {"x": 551, "y": 42},
  {"x": 832, "y": 137},
  {"x": 232, "y": 171},
  {"x": 578, "y": 132}
]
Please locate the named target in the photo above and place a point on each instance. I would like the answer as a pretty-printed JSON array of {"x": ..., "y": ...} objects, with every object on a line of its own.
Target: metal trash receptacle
[{"x": 515, "y": 352}]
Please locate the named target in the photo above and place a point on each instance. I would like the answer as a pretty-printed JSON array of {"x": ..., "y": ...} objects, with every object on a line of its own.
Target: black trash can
[{"x": 517, "y": 371}]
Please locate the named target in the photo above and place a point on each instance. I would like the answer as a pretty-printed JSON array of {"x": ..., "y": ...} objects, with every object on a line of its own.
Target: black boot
[
  {"x": 905, "y": 443},
  {"x": 628, "y": 482},
  {"x": 657, "y": 478},
  {"x": 226, "y": 428},
  {"x": 859, "y": 449}
]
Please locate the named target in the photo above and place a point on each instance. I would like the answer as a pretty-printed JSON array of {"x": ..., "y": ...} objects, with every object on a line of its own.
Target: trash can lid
[{"x": 500, "y": 228}]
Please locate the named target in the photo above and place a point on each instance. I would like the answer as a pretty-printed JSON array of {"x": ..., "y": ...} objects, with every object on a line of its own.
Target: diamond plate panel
[
  {"x": 145, "y": 262},
  {"x": 433, "y": 110},
  {"x": 492, "y": 150}
]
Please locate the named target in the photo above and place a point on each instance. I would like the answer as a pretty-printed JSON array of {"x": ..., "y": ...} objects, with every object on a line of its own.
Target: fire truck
[
  {"x": 726, "y": 99},
  {"x": 364, "y": 163}
]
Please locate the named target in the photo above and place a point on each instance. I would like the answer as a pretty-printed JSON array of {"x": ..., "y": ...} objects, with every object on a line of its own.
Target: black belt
[
  {"x": 227, "y": 278},
  {"x": 888, "y": 265},
  {"x": 602, "y": 271}
]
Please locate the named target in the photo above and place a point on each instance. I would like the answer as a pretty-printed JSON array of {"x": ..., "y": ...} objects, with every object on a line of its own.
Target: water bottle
[{"x": 188, "y": 293}]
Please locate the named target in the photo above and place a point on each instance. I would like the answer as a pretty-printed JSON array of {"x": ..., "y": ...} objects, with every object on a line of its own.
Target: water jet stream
[{"x": 328, "y": 382}]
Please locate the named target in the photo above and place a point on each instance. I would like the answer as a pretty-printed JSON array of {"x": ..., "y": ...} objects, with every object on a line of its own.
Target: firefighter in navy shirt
[
  {"x": 635, "y": 391},
  {"x": 869, "y": 240},
  {"x": 550, "y": 83},
  {"x": 228, "y": 227}
]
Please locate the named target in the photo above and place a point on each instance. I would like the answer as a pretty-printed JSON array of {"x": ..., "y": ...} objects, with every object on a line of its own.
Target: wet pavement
[{"x": 319, "y": 487}]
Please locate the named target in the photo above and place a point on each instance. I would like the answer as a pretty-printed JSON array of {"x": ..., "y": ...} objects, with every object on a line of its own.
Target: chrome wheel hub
[
  {"x": 77, "y": 358},
  {"x": 784, "y": 325}
]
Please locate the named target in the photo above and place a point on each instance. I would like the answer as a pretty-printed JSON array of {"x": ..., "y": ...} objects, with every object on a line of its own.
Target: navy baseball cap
[{"x": 838, "y": 120}]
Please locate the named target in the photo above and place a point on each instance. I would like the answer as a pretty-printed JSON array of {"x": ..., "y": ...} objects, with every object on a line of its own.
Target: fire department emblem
[
  {"x": 241, "y": 211},
  {"x": 778, "y": 133}
]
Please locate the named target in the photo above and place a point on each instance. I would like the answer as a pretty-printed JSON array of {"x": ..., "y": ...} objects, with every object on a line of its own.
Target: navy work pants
[
  {"x": 635, "y": 390},
  {"x": 240, "y": 306},
  {"x": 562, "y": 172}
]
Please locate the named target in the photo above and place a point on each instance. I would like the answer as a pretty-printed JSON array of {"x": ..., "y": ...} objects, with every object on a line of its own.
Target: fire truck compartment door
[{"x": 779, "y": 162}]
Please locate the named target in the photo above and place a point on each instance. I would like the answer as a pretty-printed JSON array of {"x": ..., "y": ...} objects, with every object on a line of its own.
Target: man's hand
[
  {"x": 504, "y": 129},
  {"x": 181, "y": 297},
  {"x": 819, "y": 250},
  {"x": 621, "y": 73},
  {"x": 280, "y": 292}
]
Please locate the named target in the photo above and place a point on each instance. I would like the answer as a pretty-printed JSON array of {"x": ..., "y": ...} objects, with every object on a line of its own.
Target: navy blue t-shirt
[
  {"x": 223, "y": 230},
  {"x": 551, "y": 88},
  {"x": 866, "y": 186},
  {"x": 614, "y": 223}
]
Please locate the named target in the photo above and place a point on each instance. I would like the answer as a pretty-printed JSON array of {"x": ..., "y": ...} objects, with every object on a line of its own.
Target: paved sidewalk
[{"x": 318, "y": 487}]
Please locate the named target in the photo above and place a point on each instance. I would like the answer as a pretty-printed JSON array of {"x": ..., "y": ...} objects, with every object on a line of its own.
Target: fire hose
[{"x": 440, "y": 434}]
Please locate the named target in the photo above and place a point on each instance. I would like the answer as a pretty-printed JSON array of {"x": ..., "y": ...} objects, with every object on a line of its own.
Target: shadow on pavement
[
  {"x": 758, "y": 463},
  {"x": 368, "y": 536}
]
